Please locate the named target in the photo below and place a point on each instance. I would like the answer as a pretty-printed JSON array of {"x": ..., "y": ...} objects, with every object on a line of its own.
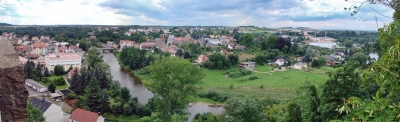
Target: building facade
[{"x": 64, "y": 59}]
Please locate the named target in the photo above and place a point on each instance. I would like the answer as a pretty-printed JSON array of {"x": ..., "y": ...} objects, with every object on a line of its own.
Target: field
[
  {"x": 279, "y": 85},
  {"x": 262, "y": 68}
]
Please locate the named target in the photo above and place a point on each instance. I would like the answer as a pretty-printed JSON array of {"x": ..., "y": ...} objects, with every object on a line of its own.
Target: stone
[{"x": 13, "y": 93}]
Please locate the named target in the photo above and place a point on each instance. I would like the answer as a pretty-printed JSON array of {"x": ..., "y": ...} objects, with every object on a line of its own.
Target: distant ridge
[{"x": 5, "y": 24}]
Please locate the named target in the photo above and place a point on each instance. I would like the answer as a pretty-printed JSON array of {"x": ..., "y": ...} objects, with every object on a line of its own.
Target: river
[{"x": 137, "y": 89}]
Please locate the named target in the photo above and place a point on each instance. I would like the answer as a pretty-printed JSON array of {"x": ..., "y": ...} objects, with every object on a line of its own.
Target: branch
[{"x": 378, "y": 12}]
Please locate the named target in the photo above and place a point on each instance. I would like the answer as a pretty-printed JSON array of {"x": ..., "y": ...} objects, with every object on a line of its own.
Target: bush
[
  {"x": 72, "y": 96},
  {"x": 253, "y": 78},
  {"x": 59, "y": 81},
  {"x": 142, "y": 72},
  {"x": 262, "y": 86},
  {"x": 215, "y": 96},
  {"x": 238, "y": 73}
]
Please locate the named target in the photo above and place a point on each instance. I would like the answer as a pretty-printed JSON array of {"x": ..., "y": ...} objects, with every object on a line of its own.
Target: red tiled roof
[
  {"x": 148, "y": 44},
  {"x": 224, "y": 50},
  {"x": 34, "y": 55},
  {"x": 39, "y": 45},
  {"x": 281, "y": 60},
  {"x": 73, "y": 47},
  {"x": 83, "y": 116}
]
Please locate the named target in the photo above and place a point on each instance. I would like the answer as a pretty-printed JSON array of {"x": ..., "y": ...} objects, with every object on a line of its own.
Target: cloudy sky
[{"x": 320, "y": 14}]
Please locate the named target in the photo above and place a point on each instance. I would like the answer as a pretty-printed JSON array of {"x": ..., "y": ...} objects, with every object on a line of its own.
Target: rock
[{"x": 13, "y": 94}]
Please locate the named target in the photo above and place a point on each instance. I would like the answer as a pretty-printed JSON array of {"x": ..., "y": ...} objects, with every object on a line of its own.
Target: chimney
[{"x": 99, "y": 113}]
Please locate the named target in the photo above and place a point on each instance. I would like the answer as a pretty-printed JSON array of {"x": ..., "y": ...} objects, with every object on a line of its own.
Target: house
[
  {"x": 248, "y": 65},
  {"x": 64, "y": 92},
  {"x": 298, "y": 59},
  {"x": 64, "y": 59},
  {"x": 126, "y": 43},
  {"x": 72, "y": 72},
  {"x": 109, "y": 44},
  {"x": 240, "y": 47},
  {"x": 280, "y": 61},
  {"x": 202, "y": 58},
  {"x": 35, "y": 85},
  {"x": 51, "y": 112},
  {"x": 32, "y": 56},
  {"x": 231, "y": 46},
  {"x": 211, "y": 42},
  {"x": 35, "y": 38},
  {"x": 92, "y": 37},
  {"x": 181, "y": 40},
  {"x": 300, "y": 65},
  {"x": 224, "y": 50},
  {"x": 160, "y": 42},
  {"x": 39, "y": 48},
  {"x": 80, "y": 115},
  {"x": 148, "y": 45},
  {"x": 171, "y": 49},
  {"x": 45, "y": 38},
  {"x": 61, "y": 49},
  {"x": 127, "y": 33}
]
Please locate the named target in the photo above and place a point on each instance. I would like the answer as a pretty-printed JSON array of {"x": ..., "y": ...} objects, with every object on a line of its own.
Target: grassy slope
[{"x": 279, "y": 85}]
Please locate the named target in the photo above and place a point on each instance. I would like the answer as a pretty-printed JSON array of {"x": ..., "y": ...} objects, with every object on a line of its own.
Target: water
[{"x": 137, "y": 89}]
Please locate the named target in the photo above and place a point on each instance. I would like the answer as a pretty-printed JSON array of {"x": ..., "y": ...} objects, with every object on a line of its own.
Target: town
[{"x": 199, "y": 61}]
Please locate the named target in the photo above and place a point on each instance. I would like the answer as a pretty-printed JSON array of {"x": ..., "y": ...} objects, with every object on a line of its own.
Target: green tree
[
  {"x": 308, "y": 99},
  {"x": 341, "y": 84},
  {"x": 186, "y": 55},
  {"x": 95, "y": 98},
  {"x": 315, "y": 64},
  {"x": 174, "y": 85},
  {"x": 142, "y": 39},
  {"x": 59, "y": 70},
  {"x": 125, "y": 94},
  {"x": 46, "y": 72},
  {"x": 52, "y": 87},
  {"x": 246, "y": 40},
  {"x": 233, "y": 59},
  {"x": 94, "y": 57},
  {"x": 75, "y": 81},
  {"x": 34, "y": 114},
  {"x": 348, "y": 43},
  {"x": 246, "y": 110},
  {"x": 294, "y": 113}
]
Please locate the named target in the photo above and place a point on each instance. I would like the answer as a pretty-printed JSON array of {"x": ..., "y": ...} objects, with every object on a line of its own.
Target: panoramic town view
[{"x": 199, "y": 61}]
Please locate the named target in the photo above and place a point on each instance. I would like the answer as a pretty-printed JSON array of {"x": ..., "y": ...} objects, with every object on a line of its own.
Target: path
[
  {"x": 66, "y": 80},
  {"x": 270, "y": 72}
]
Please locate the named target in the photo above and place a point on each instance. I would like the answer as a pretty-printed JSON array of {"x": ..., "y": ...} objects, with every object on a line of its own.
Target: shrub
[
  {"x": 72, "y": 96},
  {"x": 142, "y": 72},
  {"x": 215, "y": 96},
  {"x": 59, "y": 81},
  {"x": 253, "y": 78},
  {"x": 262, "y": 86},
  {"x": 238, "y": 73}
]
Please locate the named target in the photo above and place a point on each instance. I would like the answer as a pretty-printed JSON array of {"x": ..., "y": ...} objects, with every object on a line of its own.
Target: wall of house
[
  {"x": 54, "y": 113},
  {"x": 100, "y": 119},
  {"x": 66, "y": 66}
]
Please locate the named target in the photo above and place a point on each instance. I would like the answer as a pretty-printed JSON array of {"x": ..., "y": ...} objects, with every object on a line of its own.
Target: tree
[
  {"x": 174, "y": 85},
  {"x": 315, "y": 64},
  {"x": 341, "y": 84},
  {"x": 46, "y": 72},
  {"x": 281, "y": 43},
  {"x": 246, "y": 110},
  {"x": 246, "y": 40},
  {"x": 52, "y": 87},
  {"x": 28, "y": 69},
  {"x": 59, "y": 70},
  {"x": 186, "y": 55},
  {"x": 308, "y": 99},
  {"x": 294, "y": 113},
  {"x": 233, "y": 59},
  {"x": 142, "y": 39},
  {"x": 94, "y": 57},
  {"x": 95, "y": 98},
  {"x": 75, "y": 81},
  {"x": 34, "y": 114},
  {"x": 125, "y": 94},
  {"x": 348, "y": 44}
]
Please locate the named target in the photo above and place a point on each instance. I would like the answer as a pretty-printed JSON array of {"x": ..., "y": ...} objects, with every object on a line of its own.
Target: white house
[
  {"x": 36, "y": 86},
  {"x": 80, "y": 115},
  {"x": 280, "y": 61},
  {"x": 51, "y": 112},
  {"x": 231, "y": 46},
  {"x": 126, "y": 43}
]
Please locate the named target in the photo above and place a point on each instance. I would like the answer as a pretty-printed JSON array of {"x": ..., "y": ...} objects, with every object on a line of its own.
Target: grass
[
  {"x": 121, "y": 118},
  {"x": 244, "y": 56},
  {"x": 279, "y": 85},
  {"x": 52, "y": 78},
  {"x": 264, "y": 68},
  {"x": 205, "y": 100}
]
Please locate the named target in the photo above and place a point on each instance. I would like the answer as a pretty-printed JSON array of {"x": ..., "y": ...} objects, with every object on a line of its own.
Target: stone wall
[{"x": 13, "y": 93}]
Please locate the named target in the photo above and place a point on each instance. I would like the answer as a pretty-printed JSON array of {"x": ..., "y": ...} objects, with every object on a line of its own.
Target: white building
[
  {"x": 126, "y": 43},
  {"x": 35, "y": 85},
  {"x": 51, "y": 112},
  {"x": 280, "y": 61},
  {"x": 64, "y": 59}
]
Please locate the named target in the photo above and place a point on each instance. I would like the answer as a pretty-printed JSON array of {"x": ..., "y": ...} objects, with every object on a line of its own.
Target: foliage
[
  {"x": 207, "y": 117},
  {"x": 217, "y": 61},
  {"x": 59, "y": 81},
  {"x": 233, "y": 59},
  {"x": 294, "y": 113},
  {"x": 75, "y": 81},
  {"x": 134, "y": 58},
  {"x": 238, "y": 73},
  {"x": 94, "y": 57},
  {"x": 142, "y": 39},
  {"x": 34, "y": 114},
  {"x": 59, "y": 70},
  {"x": 52, "y": 87},
  {"x": 72, "y": 96},
  {"x": 174, "y": 84},
  {"x": 46, "y": 72},
  {"x": 246, "y": 40},
  {"x": 28, "y": 69},
  {"x": 282, "y": 42},
  {"x": 215, "y": 96},
  {"x": 309, "y": 101},
  {"x": 95, "y": 98},
  {"x": 342, "y": 84},
  {"x": 125, "y": 94},
  {"x": 245, "y": 110}
]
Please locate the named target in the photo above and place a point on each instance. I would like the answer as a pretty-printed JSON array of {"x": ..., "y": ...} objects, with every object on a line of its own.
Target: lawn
[
  {"x": 264, "y": 68},
  {"x": 278, "y": 85},
  {"x": 112, "y": 118},
  {"x": 52, "y": 78}
]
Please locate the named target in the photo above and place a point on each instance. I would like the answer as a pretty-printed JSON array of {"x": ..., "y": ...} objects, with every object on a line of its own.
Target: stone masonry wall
[{"x": 13, "y": 94}]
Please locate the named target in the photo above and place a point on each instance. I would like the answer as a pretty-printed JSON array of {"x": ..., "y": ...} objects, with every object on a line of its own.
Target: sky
[{"x": 319, "y": 14}]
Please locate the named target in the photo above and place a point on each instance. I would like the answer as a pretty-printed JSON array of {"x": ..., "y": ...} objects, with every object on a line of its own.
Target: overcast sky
[{"x": 320, "y": 14}]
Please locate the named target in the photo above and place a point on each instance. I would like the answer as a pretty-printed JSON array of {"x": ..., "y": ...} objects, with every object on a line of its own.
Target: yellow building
[{"x": 63, "y": 59}]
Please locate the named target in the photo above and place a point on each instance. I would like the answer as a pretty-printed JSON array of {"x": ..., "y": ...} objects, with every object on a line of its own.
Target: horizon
[{"x": 327, "y": 14}]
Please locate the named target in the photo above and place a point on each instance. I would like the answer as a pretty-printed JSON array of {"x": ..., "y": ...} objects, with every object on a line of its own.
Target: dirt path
[{"x": 270, "y": 72}]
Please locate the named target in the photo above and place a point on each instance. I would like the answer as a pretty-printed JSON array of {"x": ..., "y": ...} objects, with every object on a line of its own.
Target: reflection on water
[{"x": 137, "y": 89}]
